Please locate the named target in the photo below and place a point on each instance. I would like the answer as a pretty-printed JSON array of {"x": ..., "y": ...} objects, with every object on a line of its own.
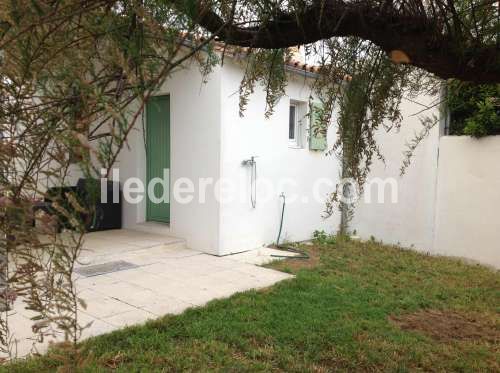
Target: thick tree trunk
[{"x": 422, "y": 40}]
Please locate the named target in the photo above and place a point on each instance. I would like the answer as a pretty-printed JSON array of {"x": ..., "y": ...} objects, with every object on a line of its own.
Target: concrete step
[
  {"x": 153, "y": 227},
  {"x": 100, "y": 247}
]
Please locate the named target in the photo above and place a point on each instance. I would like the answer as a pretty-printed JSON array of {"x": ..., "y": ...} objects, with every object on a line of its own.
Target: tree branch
[{"x": 416, "y": 35}]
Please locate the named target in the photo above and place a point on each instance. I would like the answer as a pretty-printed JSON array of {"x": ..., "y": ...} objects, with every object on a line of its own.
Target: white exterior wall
[
  {"x": 241, "y": 226},
  {"x": 410, "y": 221},
  {"x": 195, "y": 152},
  {"x": 468, "y": 199},
  {"x": 210, "y": 140}
]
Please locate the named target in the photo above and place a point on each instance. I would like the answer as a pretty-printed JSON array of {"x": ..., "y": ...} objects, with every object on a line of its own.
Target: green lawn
[{"x": 352, "y": 307}]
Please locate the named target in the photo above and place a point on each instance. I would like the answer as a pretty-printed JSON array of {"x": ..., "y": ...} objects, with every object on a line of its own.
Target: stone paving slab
[{"x": 166, "y": 278}]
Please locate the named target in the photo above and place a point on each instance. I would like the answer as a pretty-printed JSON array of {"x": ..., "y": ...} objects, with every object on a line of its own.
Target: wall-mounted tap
[
  {"x": 249, "y": 162},
  {"x": 253, "y": 178}
]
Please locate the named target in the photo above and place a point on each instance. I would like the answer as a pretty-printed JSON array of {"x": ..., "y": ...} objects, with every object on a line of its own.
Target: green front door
[{"x": 158, "y": 157}]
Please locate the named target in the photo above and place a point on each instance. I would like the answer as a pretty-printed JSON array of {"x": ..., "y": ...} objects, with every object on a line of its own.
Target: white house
[
  {"x": 222, "y": 204},
  {"x": 229, "y": 175}
]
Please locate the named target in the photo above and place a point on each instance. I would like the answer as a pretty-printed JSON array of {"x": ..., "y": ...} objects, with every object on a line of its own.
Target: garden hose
[{"x": 290, "y": 249}]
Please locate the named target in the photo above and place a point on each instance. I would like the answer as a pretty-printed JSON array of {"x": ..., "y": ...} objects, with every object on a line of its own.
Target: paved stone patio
[{"x": 167, "y": 278}]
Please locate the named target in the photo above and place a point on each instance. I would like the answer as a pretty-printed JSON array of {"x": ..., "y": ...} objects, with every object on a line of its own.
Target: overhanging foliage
[{"x": 75, "y": 75}]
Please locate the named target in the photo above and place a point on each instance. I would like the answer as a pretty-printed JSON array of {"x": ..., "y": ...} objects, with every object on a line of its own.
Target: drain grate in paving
[{"x": 102, "y": 269}]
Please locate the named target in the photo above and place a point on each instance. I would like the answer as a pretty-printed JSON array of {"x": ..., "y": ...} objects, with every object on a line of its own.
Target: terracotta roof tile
[{"x": 242, "y": 52}]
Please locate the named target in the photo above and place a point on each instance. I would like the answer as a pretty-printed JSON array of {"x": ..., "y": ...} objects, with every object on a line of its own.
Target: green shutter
[{"x": 317, "y": 130}]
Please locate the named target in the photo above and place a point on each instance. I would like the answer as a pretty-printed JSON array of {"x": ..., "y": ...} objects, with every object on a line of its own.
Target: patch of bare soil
[{"x": 448, "y": 326}]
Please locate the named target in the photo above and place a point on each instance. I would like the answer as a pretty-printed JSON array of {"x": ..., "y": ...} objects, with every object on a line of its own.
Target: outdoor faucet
[
  {"x": 253, "y": 178},
  {"x": 249, "y": 162}
]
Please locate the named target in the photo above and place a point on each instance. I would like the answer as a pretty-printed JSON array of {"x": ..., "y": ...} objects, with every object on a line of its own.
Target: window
[
  {"x": 292, "y": 125},
  {"x": 297, "y": 122},
  {"x": 297, "y": 112}
]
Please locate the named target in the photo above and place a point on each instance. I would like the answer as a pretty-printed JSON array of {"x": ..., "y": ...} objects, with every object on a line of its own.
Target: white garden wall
[
  {"x": 447, "y": 202},
  {"x": 468, "y": 199},
  {"x": 409, "y": 221}
]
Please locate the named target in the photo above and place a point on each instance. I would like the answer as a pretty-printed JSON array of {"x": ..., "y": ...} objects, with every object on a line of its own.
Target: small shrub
[{"x": 320, "y": 237}]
